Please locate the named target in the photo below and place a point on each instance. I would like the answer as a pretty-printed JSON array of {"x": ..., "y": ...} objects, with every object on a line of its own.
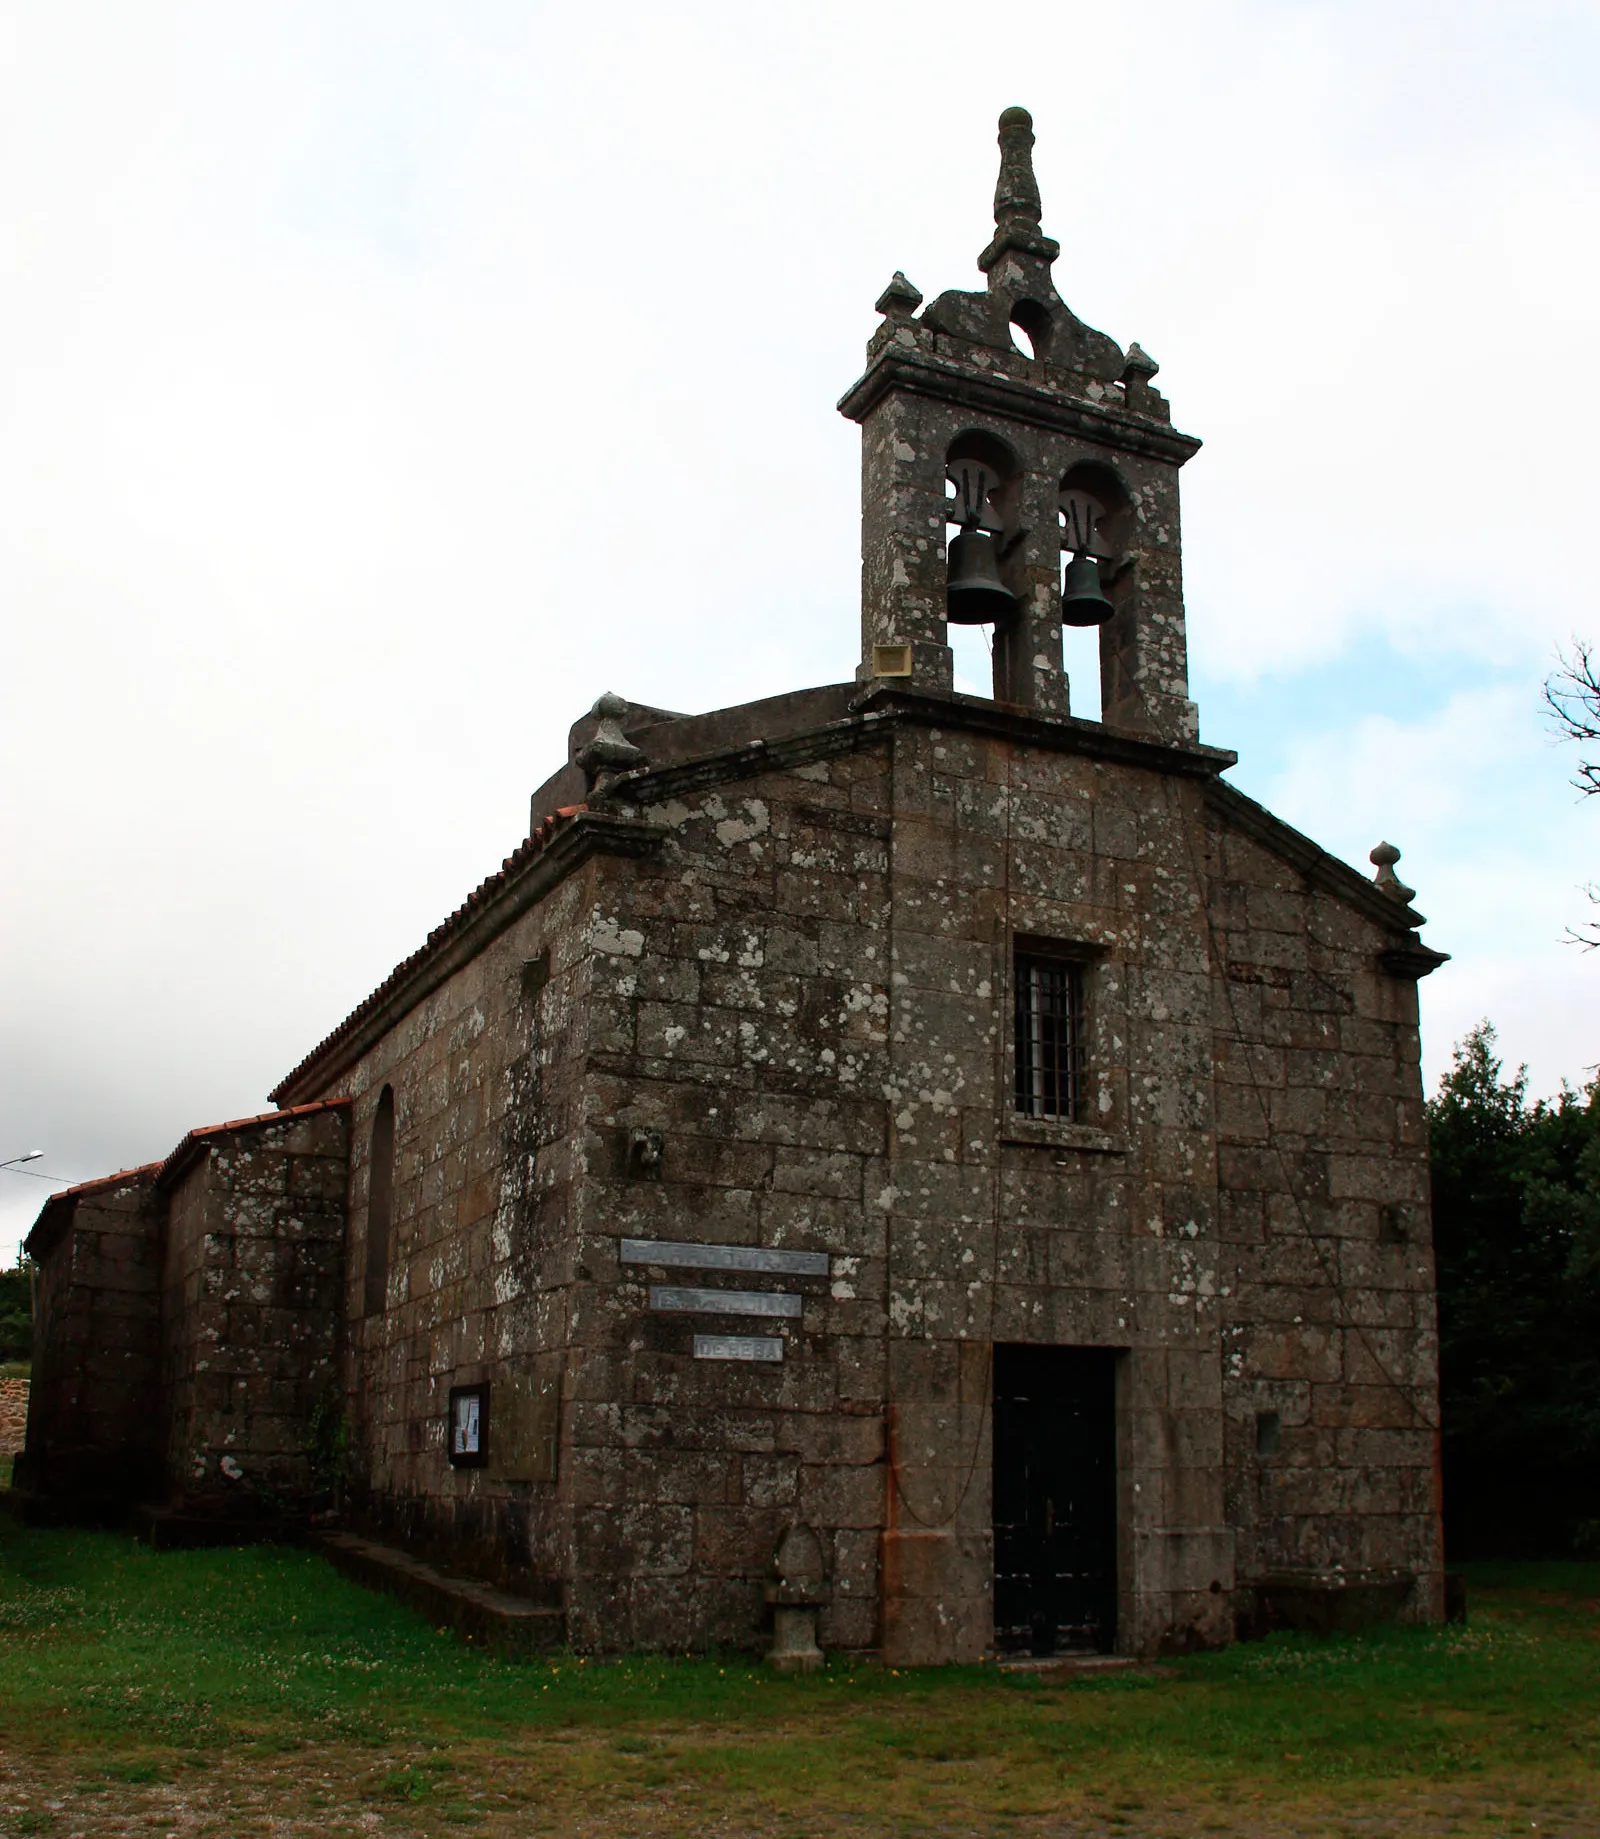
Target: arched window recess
[{"x": 380, "y": 1204}]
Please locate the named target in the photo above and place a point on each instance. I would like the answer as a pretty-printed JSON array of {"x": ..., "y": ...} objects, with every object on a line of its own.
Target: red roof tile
[
  {"x": 106, "y": 1181},
  {"x": 166, "y": 1170},
  {"x": 55, "y": 1208}
]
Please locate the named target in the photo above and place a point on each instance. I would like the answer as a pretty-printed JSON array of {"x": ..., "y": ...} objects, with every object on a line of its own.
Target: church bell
[
  {"x": 977, "y": 596},
  {"x": 1082, "y": 602}
]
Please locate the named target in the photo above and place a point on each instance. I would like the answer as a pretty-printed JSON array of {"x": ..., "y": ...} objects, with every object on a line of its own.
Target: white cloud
[
  {"x": 1496, "y": 844},
  {"x": 380, "y": 383}
]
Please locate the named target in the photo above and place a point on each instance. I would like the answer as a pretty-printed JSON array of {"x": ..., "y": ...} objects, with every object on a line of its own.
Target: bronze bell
[
  {"x": 1082, "y": 602},
  {"x": 976, "y": 594}
]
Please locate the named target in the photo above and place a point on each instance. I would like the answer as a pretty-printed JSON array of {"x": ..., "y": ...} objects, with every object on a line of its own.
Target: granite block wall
[
  {"x": 92, "y": 1425},
  {"x": 784, "y": 1031},
  {"x": 486, "y": 1076},
  {"x": 251, "y": 1283},
  {"x": 13, "y": 1416},
  {"x": 1331, "y": 1353},
  {"x": 815, "y": 1020},
  {"x": 744, "y": 1026}
]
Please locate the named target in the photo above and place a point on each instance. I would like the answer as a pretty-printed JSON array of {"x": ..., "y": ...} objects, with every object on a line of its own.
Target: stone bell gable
[
  {"x": 1073, "y": 448},
  {"x": 921, "y": 1173}
]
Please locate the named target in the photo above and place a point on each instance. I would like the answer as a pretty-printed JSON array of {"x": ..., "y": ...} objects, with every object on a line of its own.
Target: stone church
[{"x": 962, "y": 1135}]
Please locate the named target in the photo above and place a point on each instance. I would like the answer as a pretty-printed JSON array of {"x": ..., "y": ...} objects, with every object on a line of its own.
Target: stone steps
[{"x": 513, "y": 1626}]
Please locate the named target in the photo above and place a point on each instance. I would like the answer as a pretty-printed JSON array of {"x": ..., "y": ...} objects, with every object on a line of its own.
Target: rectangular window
[{"x": 1050, "y": 1036}]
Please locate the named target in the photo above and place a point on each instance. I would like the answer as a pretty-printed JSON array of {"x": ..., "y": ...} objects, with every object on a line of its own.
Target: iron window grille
[{"x": 1050, "y": 1037}]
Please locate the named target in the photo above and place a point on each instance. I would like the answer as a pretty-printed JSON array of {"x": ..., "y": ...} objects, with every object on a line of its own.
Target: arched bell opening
[
  {"x": 980, "y": 484},
  {"x": 1094, "y": 512}
]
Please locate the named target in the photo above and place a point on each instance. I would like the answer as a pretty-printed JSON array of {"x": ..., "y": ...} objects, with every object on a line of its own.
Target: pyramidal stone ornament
[{"x": 900, "y": 299}]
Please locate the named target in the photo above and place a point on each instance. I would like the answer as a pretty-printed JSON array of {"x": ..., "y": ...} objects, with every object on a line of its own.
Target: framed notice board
[{"x": 467, "y": 1432}]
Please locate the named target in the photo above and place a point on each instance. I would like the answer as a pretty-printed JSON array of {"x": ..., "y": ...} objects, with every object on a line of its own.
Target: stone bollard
[{"x": 798, "y": 1589}]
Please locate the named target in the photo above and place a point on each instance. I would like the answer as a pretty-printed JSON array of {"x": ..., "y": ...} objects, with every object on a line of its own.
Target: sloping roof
[
  {"x": 59, "y": 1206},
  {"x": 822, "y": 730},
  {"x": 485, "y": 891},
  {"x": 157, "y": 1174},
  {"x": 105, "y": 1181},
  {"x": 186, "y": 1152},
  {"x": 569, "y": 832}
]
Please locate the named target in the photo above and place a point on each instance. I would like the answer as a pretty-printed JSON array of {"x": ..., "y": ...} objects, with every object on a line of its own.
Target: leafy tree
[
  {"x": 1516, "y": 1201},
  {"x": 16, "y": 1314}
]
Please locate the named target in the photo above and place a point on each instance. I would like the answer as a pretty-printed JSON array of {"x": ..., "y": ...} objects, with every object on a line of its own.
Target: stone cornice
[
  {"x": 877, "y": 708},
  {"x": 624, "y": 830},
  {"x": 1058, "y": 733},
  {"x": 1408, "y": 956},
  {"x": 650, "y": 785},
  {"x": 897, "y": 367},
  {"x": 1412, "y": 961}
]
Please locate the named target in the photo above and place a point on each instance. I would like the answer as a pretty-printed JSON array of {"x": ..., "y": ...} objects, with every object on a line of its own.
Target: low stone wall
[{"x": 13, "y": 1415}]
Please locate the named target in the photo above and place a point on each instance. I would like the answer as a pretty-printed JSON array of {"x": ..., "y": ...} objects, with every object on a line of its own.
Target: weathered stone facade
[
  {"x": 253, "y": 1254},
  {"x": 91, "y": 1438},
  {"x": 188, "y": 1324},
  {"x": 705, "y": 1148}
]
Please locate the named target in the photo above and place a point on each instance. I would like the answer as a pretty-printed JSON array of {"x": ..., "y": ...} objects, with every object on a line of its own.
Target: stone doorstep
[
  {"x": 1066, "y": 1666},
  {"x": 511, "y": 1625}
]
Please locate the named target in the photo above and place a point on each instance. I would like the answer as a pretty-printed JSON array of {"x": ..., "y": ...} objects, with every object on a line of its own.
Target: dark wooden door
[{"x": 1055, "y": 1499}]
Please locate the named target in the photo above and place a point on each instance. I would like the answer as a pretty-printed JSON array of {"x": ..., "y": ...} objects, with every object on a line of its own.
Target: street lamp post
[{"x": 12, "y": 1162}]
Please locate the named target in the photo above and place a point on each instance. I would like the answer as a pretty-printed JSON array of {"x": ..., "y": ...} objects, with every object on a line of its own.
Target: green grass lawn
[{"x": 256, "y": 1690}]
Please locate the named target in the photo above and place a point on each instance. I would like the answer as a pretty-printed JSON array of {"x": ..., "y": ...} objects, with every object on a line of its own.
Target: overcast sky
[{"x": 379, "y": 383}]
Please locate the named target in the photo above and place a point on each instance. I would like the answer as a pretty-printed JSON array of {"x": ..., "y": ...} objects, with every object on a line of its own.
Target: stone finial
[
  {"x": 1384, "y": 857},
  {"x": 899, "y": 300},
  {"x": 608, "y": 752},
  {"x": 798, "y": 1573},
  {"x": 1138, "y": 365},
  {"x": 1016, "y": 195}
]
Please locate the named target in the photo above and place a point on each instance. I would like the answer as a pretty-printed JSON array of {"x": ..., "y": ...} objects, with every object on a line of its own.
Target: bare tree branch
[{"x": 1572, "y": 701}]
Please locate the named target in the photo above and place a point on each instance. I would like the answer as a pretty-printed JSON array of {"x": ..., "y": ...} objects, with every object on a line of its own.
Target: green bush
[{"x": 1516, "y": 1221}]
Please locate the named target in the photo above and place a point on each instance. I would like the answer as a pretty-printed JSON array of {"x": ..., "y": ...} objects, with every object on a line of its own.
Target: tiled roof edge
[
  {"x": 185, "y": 1154},
  {"x": 59, "y": 1205}
]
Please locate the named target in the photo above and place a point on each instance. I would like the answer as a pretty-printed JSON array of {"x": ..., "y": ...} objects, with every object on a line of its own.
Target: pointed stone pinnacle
[
  {"x": 899, "y": 300},
  {"x": 1016, "y": 194},
  {"x": 1139, "y": 363}
]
